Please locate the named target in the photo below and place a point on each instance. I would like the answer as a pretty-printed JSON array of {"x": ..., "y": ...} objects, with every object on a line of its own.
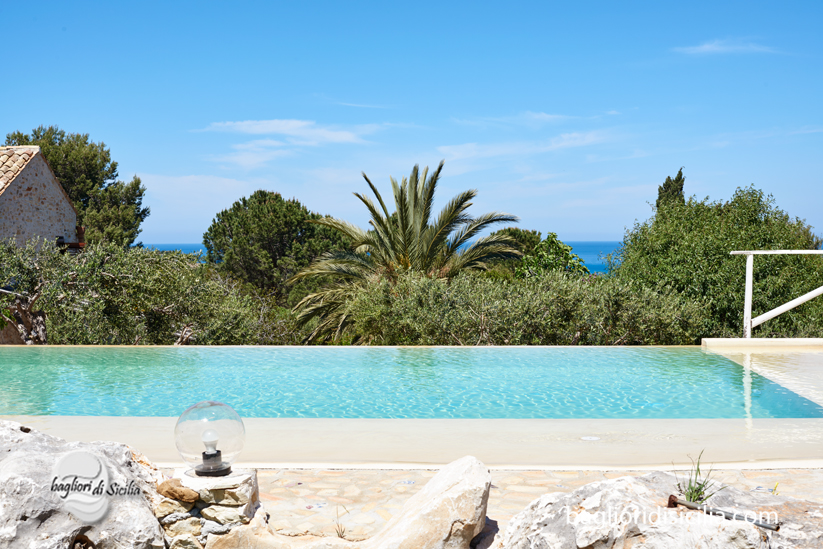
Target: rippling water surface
[{"x": 360, "y": 382}]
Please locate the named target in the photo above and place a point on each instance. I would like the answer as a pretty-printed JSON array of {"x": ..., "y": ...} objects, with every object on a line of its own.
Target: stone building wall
[
  {"x": 34, "y": 204},
  {"x": 9, "y": 335}
]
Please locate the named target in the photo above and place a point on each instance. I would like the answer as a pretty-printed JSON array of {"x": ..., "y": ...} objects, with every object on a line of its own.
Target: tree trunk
[{"x": 31, "y": 325}]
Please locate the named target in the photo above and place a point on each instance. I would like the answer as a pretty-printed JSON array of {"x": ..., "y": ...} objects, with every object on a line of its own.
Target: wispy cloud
[
  {"x": 807, "y": 130},
  {"x": 563, "y": 141},
  {"x": 713, "y": 47},
  {"x": 254, "y": 154},
  {"x": 527, "y": 118},
  {"x": 299, "y": 132},
  {"x": 292, "y": 135},
  {"x": 543, "y": 117},
  {"x": 362, "y": 106}
]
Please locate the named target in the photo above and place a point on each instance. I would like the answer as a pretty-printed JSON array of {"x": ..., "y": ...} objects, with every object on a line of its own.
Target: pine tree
[{"x": 110, "y": 209}]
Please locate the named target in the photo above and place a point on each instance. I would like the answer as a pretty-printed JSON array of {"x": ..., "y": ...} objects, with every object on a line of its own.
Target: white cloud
[
  {"x": 527, "y": 118},
  {"x": 254, "y": 154},
  {"x": 362, "y": 106},
  {"x": 725, "y": 46},
  {"x": 563, "y": 141},
  {"x": 294, "y": 134},
  {"x": 807, "y": 130},
  {"x": 541, "y": 117},
  {"x": 298, "y": 132}
]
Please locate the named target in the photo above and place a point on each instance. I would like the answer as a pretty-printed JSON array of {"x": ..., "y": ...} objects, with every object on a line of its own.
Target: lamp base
[
  {"x": 213, "y": 465},
  {"x": 201, "y": 471}
]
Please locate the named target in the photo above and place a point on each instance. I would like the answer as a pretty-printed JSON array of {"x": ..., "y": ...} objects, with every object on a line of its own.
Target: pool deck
[{"x": 528, "y": 444}]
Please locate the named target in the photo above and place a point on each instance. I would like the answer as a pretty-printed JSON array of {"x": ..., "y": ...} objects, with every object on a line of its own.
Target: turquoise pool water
[{"x": 334, "y": 382}]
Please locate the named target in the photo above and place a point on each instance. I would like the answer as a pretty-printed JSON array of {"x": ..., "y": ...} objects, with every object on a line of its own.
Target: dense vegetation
[
  {"x": 408, "y": 240},
  {"x": 114, "y": 295},
  {"x": 413, "y": 279},
  {"x": 684, "y": 247},
  {"x": 264, "y": 240},
  {"x": 109, "y": 209},
  {"x": 554, "y": 309}
]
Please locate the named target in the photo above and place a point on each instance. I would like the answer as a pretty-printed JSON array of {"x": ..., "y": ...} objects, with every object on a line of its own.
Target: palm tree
[{"x": 399, "y": 242}]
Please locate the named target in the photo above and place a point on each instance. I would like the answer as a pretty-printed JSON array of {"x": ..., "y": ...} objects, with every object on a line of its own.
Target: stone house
[{"x": 32, "y": 201}]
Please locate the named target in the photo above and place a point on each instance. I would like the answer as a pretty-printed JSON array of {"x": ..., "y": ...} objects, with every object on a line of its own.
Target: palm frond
[
  {"x": 346, "y": 265},
  {"x": 353, "y": 232},
  {"x": 412, "y": 242},
  {"x": 381, "y": 225},
  {"x": 476, "y": 225},
  {"x": 452, "y": 216},
  {"x": 482, "y": 250}
]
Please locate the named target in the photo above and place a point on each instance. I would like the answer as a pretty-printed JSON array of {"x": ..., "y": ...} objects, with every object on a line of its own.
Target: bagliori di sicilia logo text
[{"x": 81, "y": 480}]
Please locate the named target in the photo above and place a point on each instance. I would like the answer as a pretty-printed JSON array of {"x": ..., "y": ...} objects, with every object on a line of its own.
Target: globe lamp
[{"x": 210, "y": 436}]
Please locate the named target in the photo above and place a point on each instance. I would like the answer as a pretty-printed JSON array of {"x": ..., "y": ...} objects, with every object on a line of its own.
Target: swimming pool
[{"x": 392, "y": 382}]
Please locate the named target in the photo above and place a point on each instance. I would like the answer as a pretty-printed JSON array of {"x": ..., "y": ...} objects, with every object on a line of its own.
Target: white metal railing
[{"x": 749, "y": 323}]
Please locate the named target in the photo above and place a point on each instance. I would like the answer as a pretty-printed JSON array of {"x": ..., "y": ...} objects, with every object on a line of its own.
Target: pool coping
[{"x": 503, "y": 444}]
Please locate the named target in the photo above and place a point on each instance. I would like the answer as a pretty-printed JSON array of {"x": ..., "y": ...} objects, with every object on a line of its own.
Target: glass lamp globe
[{"x": 210, "y": 436}]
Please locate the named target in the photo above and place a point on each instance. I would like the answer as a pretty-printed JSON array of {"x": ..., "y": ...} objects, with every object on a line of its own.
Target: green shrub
[
  {"x": 685, "y": 247},
  {"x": 555, "y": 309},
  {"x": 114, "y": 295},
  {"x": 549, "y": 255}
]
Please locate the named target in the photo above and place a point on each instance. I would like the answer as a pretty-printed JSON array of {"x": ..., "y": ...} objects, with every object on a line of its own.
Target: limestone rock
[
  {"x": 238, "y": 490},
  {"x": 229, "y": 496},
  {"x": 187, "y": 526},
  {"x": 148, "y": 467},
  {"x": 631, "y": 512},
  {"x": 166, "y": 506},
  {"x": 446, "y": 514},
  {"x": 223, "y": 515},
  {"x": 174, "y": 489},
  {"x": 211, "y": 527},
  {"x": 174, "y": 517},
  {"x": 33, "y": 516},
  {"x": 186, "y": 541}
]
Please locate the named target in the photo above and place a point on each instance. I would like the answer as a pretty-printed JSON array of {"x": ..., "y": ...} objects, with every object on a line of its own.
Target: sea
[{"x": 592, "y": 252}]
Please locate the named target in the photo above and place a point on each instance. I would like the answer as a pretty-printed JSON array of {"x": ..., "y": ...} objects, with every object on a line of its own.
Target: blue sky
[{"x": 568, "y": 115}]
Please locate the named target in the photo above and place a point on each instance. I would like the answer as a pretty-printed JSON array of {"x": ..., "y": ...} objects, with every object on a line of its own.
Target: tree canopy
[
  {"x": 687, "y": 250},
  {"x": 110, "y": 209},
  {"x": 411, "y": 241},
  {"x": 264, "y": 240},
  {"x": 671, "y": 190},
  {"x": 549, "y": 255},
  {"x": 525, "y": 241}
]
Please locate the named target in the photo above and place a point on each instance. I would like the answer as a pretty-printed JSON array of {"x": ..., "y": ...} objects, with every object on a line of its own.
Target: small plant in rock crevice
[
  {"x": 338, "y": 527},
  {"x": 698, "y": 488}
]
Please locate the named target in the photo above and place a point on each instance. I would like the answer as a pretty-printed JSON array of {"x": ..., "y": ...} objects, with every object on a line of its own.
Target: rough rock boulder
[
  {"x": 34, "y": 516},
  {"x": 446, "y": 514},
  {"x": 632, "y": 512}
]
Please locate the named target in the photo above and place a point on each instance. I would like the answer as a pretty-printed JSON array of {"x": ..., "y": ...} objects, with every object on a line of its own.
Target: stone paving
[{"x": 357, "y": 503}]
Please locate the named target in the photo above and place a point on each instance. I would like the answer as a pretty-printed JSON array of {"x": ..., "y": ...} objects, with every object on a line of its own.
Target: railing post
[{"x": 747, "y": 304}]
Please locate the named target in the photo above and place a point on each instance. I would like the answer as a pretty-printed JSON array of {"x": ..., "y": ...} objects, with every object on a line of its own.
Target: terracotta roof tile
[{"x": 12, "y": 161}]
